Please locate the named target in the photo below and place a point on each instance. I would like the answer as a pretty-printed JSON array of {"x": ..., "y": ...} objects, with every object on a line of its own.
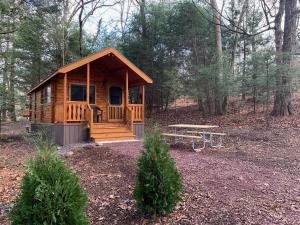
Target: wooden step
[
  {"x": 114, "y": 139},
  {"x": 109, "y": 130},
  {"x": 108, "y": 124},
  {"x": 112, "y": 135}
]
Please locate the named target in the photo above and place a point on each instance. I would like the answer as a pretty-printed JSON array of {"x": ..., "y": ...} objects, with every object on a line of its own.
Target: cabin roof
[{"x": 91, "y": 58}]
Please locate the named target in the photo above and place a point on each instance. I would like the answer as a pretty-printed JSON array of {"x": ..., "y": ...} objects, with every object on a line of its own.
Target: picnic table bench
[{"x": 206, "y": 136}]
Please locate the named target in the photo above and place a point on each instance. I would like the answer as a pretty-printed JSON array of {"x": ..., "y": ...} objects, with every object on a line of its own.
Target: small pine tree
[
  {"x": 50, "y": 193},
  {"x": 158, "y": 186}
]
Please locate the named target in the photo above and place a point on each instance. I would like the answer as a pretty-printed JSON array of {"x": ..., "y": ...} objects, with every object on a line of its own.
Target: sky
[{"x": 110, "y": 16}]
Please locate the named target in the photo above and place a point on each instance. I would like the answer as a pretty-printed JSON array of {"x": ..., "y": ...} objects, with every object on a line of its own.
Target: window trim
[
  {"x": 46, "y": 97},
  {"x": 81, "y": 84}
]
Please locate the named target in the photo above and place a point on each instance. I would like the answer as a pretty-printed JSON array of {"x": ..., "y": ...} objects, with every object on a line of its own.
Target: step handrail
[
  {"x": 89, "y": 116},
  {"x": 129, "y": 118}
]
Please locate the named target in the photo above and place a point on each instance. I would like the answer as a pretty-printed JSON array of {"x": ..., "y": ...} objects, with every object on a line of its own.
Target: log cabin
[{"x": 99, "y": 98}]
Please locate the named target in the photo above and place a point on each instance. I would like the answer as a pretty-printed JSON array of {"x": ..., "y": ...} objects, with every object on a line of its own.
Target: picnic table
[{"x": 198, "y": 133}]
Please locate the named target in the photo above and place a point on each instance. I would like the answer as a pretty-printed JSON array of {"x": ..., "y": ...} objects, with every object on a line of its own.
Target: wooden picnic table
[{"x": 207, "y": 136}]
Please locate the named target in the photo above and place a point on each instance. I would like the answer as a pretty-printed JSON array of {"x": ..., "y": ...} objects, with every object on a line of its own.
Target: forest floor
[{"x": 254, "y": 179}]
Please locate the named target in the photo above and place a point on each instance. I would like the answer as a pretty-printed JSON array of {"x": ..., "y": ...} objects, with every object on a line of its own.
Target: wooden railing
[
  {"x": 76, "y": 111},
  {"x": 115, "y": 113},
  {"x": 137, "y": 111},
  {"x": 129, "y": 118}
]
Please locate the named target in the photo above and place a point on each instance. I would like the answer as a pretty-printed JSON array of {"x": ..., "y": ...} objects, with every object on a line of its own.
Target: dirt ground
[{"x": 254, "y": 179}]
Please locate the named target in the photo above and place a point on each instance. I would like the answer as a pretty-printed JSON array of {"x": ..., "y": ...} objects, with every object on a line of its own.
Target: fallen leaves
[{"x": 253, "y": 180}]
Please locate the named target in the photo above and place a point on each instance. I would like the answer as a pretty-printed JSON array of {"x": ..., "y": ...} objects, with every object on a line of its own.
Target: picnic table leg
[
  {"x": 220, "y": 144},
  {"x": 194, "y": 146},
  {"x": 193, "y": 143},
  {"x": 221, "y": 141},
  {"x": 207, "y": 138},
  {"x": 175, "y": 139}
]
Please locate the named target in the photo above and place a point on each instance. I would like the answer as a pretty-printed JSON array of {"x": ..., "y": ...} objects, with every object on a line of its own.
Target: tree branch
[{"x": 237, "y": 29}]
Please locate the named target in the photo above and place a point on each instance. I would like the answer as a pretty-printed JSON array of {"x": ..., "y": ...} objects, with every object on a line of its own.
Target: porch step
[
  {"x": 114, "y": 139},
  {"x": 108, "y": 125},
  {"x": 111, "y": 132}
]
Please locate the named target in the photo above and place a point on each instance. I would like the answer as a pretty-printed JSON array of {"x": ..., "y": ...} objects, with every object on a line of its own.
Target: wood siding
[{"x": 41, "y": 111}]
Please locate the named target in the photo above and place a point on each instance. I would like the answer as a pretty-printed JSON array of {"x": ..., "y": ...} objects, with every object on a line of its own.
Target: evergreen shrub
[
  {"x": 158, "y": 185},
  {"x": 50, "y": 192}
]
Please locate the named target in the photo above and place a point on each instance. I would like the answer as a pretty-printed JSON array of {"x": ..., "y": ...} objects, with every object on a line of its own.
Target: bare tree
[
  {"x": 125, "y": 8},
  {"x": 87, "y": 9},
  {"x": 285, "y": 43},
  {"x": 219, "y": 55},
  {"x": 244, "y": 6}
]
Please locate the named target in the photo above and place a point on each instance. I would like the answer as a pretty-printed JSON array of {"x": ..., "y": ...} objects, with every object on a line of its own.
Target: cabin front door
[{"x": 116, "y": 104}]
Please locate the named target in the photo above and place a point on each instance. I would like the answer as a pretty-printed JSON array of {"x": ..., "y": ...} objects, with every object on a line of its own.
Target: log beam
[
  {"x": 143, "y": 102},
  {"x": 65, "y": 97},
  {"x": 126, "y": 89},
  {"x": 88, "y": 83}
]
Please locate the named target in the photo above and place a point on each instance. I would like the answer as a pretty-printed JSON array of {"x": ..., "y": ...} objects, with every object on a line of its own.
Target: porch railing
[
  {"x": 76, "y": 111},
  {"x": 137, "y": 111},
  {"x": 115, "y": 113}
]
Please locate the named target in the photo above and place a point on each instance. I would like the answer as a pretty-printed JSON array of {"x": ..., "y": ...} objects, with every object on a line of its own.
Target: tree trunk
[
  {"x": 219, "y": 54},
  {"x": 143, "y": 18},
  {"x": 5, "y": 81},
  {"x": 237, "y": 29},
  {"x": 12, "y": 78},
  {"x": 284, "y": 47},
  {"x": 80, "y": 22},
  {"x": 11, "y": 96}
]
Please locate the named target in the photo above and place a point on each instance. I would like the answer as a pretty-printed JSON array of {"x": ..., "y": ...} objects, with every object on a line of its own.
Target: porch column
[
  {"x": 143, "y": 102},
  {"x": 65, "y": 98},
  {"x": 88, "y": 84},
  {"x": 126, "y": 89},
  {"x": 126, "y": 94}
]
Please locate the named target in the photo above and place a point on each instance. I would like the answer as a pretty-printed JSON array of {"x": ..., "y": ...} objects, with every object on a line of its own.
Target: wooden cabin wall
[
  {"x": 32, "y": 103},
  {"x": 101, "y": 82},
  {"x": 38, "y": 106},
  {"x": 47, "y": 107},
  {"x": 41, "y": 112}
]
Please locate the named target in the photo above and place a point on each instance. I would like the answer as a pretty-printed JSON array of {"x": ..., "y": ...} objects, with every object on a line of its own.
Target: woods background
[{"x": 211, "y": 51}]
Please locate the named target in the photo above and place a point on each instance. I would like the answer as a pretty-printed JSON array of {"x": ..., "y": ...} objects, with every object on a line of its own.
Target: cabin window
[
  {"x": 78, "y": 93},
  {"x": 47, "y": 94},
  {"x": 115, "y": 95}
]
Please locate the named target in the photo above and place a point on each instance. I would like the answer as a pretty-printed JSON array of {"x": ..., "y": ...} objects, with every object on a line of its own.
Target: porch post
[
  {"x": 143, "y": 102},
  {"x": 88, "y": 84},
  {"x": 126, "y": 89},
  {"x": 126, "y": 92},
  {"x": 65, "y": 98}
]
